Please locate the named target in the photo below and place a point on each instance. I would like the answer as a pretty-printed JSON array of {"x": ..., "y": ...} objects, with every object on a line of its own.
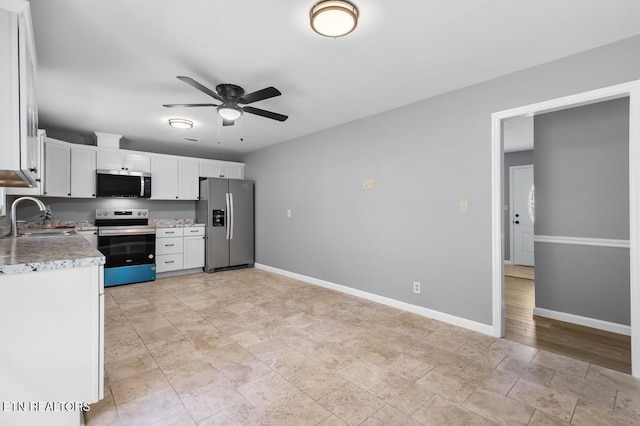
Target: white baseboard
[
  {"x": 425, "y": 312},
  {"x": 508, "y": 262},
  {"x": 585, "y": 321}
]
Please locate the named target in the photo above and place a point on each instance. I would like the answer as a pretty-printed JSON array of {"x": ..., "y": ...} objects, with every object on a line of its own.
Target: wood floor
[{"x": 587, "y": 344}]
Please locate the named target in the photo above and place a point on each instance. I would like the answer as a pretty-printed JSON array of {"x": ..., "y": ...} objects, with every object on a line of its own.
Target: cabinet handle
[
  {"x": 169, "y": 261},
  {"x": 33, "y": 170},
  {"x": 45, "y": 192},
  {"x": 170, "y": 232},
  {"x": 194, "y": 230},
  {"x": 69, "y": 194},
  {"x": 38, "y": 180},
  {"x": 169, "y": 245}
]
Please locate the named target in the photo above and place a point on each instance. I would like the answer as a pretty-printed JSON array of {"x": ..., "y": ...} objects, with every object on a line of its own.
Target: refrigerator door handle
[
  {"x": 226, "y": 213},
  {"x": 232, "y": 215}
]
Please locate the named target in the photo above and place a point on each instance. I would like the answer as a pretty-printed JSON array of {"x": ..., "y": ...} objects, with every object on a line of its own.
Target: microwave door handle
[
  {"x": 142, "y": 186},
  {"x": 226, "y": 213}
]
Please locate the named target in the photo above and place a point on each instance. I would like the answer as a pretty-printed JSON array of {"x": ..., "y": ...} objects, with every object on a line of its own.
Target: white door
[{"x": 522, "y": 214}]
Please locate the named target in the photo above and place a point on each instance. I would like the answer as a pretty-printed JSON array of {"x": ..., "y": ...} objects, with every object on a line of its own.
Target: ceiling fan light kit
[
  {"x": 180, "y": 123},
  {"x": 333, "y": 18},
  {"x": 229, "y": 112}
]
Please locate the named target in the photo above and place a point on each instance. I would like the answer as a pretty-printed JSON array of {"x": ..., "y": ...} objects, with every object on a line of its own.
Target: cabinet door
[
  {"x": 232, "y": 170},
  {"x": 189, "y": 180},
  {"x": 209, "y": 168},
  {"x": 137, "y": 163},
  {"x": 193, "y": 252},
  {"x": 38, "y": 188},
  {"x": 57, "y": 171},
  {"x": 83, "y": 173},
  {"x": 164, "y": 178},
  {"x": 108, "y": 160}
]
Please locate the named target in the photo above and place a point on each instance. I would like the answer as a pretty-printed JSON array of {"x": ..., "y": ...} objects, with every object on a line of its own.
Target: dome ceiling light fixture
[
  {"x": 229, "y": 111},
  {"x": 333, "y": 18},
  {"x": 180, "y": 123}
]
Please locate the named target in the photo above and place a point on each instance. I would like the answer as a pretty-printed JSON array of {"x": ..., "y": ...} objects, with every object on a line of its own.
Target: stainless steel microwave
[{"x": 123, "y": 183}]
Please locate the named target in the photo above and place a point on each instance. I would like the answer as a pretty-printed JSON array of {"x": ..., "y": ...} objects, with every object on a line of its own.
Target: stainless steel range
[{"x": 129, "y": 245}]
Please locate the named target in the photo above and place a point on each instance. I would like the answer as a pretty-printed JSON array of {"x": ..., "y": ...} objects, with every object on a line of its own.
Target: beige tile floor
[{"x": 248, "y": 347}]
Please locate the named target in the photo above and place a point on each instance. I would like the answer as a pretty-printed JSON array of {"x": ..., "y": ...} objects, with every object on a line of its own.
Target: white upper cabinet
[
  {"x": 83, "y": 172},
  {"x": 221, "y": 169},
  {"x": 57, "y": 172},
  {"x": 116, "y": 160},
  {"x": 38, "y": 188},
  {"x": 174, "y": 178},
  {"x": 18, "y": 102},
  {"x": 189, "y": 180},
  {"x": 164, "y": 178}
]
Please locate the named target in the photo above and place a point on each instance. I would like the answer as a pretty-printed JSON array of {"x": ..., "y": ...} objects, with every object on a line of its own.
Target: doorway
[{"x": 630, "y": 90}]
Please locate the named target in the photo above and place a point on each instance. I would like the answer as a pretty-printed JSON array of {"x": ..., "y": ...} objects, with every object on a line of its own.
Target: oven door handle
[{"x": 118, "y": 232}]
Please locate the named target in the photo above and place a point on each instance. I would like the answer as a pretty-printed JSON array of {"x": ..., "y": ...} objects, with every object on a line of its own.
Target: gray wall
[
  {"x": 425, "y": 158},
  {"x": 581, "y": 163},
  {"x": 519, "y": 158}
]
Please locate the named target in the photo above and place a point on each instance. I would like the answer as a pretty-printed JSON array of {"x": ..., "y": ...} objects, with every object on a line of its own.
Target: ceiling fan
[{"x": 232, "y": 97}]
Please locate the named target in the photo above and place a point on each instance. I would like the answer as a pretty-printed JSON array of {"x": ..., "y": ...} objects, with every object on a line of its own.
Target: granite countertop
[
  {"x": 173, "y": 223},
  {"x": 31, "y": 254}
]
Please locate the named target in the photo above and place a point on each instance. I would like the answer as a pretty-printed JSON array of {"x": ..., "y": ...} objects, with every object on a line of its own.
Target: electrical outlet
[
  {"x": 464, "y": 206},
  {"x": 416, "y": 287},
  {"x": 289, "y": 213},
  {"x": 368, "y": 184}
]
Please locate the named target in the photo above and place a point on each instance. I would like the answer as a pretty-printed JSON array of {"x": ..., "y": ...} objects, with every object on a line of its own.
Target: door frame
[
  {"x": 632, "y": 91},
  {"x": 511, "y": 197}
]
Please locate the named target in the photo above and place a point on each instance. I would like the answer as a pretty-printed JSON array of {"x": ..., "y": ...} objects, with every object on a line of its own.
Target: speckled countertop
[
  {"x": 173, "y": 223},
  {"x": 31, "y": 254}
]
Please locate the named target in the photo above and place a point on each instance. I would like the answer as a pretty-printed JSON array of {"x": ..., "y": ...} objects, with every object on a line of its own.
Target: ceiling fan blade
[
  {"x": 227, "y": 122},
  {"x": 267, "y": 93},
  {"x": 188, "y": 105},
  {"x": 263, "y": 113},
  {"x": 200, "y": 87}
]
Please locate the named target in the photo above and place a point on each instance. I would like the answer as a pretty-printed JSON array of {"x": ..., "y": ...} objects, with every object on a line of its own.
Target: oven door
[{"x": 127, "y": 245}]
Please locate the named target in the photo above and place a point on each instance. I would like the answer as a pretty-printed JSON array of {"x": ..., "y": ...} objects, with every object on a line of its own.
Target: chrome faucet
[{"x": 14, "y": 222}]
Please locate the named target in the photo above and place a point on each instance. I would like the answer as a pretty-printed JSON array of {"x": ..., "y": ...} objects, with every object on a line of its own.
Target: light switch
[
  {"x": 368, "y": 184},
  {"x": 289, "y": 213},
  {"x": 464, "y": 206}
]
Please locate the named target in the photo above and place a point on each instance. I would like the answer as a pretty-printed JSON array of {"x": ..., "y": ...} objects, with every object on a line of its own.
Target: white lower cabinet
[
  {"x": 193, "y": 251},
  {"x": 52, "y": 342},
  {"x": 179, "y": 248}
]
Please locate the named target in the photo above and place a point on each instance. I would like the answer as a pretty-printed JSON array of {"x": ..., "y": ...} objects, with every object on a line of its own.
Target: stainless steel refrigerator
[{"x": 226, "y": 206}]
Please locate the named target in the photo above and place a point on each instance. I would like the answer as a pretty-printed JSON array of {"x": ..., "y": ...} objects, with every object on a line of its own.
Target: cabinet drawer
[
  {"x": 168, "y": 232},
  {"x": 168, "y": 262},
  {"x": 169, "y": 245},
  {"x": 192, "y": 231}
]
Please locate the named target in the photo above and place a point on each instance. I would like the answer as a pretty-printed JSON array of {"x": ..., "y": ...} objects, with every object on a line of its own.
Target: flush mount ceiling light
[
  {"x": 229, "y": 112},
  {"x": 180, "y": 123},
  {"x": 334, "y": 18}
]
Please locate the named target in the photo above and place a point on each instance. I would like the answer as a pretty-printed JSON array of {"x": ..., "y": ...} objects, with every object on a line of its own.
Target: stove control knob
[
  {"x": 144, "y": 213},
  {"x": 139, "y": 213},
  {"x": 99, "y": 213}
]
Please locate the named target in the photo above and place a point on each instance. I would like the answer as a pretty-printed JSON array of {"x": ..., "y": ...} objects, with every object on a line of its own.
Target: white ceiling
[{"x": 109, "y": 65}]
